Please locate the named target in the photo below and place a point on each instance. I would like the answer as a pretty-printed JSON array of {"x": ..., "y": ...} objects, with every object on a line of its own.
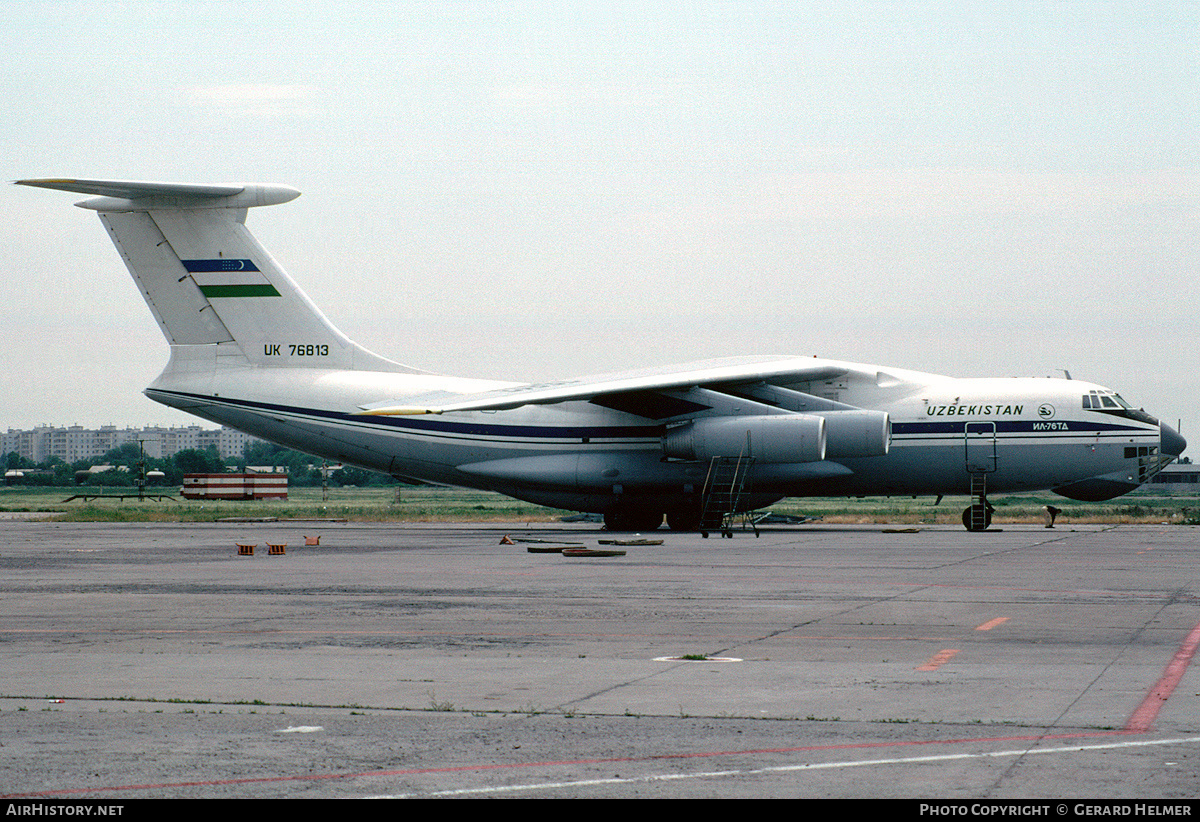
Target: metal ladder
[
  {"x": 724, "y": 489},
  {"x": 978, "y": 501}
]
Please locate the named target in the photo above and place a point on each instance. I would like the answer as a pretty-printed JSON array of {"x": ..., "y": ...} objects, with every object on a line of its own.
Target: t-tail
[{"x": 220, "y": 299}]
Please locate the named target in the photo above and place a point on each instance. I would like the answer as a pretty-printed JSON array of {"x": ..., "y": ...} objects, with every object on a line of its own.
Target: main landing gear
[
  {"x": 632, "y": 519},
  {"x": 629, "y": 518}
]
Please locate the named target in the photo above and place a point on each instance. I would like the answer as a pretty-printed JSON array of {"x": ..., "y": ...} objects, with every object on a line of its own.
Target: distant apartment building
[{"x": 74, "y": 443}]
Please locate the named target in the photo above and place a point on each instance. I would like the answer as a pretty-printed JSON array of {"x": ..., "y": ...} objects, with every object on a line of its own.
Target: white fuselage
[{"x": 1024, "y": 434}]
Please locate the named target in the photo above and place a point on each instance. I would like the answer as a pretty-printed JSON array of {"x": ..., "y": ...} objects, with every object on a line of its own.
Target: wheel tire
[{"x": 987, "y": 517}]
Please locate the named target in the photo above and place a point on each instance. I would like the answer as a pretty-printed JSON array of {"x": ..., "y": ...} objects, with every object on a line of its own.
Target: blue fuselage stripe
[{"x": 1012, "y": 427}]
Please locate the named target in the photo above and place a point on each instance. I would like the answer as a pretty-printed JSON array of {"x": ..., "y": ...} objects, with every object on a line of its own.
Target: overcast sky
[{"x": 540, "y": 190}]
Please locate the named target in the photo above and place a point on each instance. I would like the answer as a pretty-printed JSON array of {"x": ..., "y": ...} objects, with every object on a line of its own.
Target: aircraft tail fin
[{"x": 209, "y": 282}]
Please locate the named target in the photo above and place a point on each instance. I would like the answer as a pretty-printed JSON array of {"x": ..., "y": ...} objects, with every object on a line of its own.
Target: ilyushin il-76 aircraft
[{"x": 251, "y": 351}]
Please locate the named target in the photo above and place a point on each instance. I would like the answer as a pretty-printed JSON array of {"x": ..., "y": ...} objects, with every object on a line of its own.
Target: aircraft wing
[{"x": 732, "y": 371}]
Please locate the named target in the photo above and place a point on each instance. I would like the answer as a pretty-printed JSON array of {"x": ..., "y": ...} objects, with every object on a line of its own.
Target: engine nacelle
[
  {"x": 859, "y": 433},
  {"x": 776, "y": 438}
]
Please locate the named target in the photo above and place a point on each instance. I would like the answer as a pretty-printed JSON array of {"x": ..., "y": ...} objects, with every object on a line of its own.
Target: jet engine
[
  {"x": 783, "y": 438},
  {"x": 856, "y": 433},
  {"x": 776, "y": 438}
]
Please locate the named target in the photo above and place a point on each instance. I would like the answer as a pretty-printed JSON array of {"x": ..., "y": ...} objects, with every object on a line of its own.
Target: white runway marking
[{"x": 778, "y": 769}]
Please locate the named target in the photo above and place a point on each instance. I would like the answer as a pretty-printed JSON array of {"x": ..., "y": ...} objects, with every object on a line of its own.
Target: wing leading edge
[{"x": 735, "y": 371}]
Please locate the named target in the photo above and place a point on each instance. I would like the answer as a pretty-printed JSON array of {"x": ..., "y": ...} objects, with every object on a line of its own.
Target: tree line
[{"x": 127, "y": 460}]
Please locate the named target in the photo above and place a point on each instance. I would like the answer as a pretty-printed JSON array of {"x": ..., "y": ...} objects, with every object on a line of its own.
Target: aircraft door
[{"x": 980, "y": 444}]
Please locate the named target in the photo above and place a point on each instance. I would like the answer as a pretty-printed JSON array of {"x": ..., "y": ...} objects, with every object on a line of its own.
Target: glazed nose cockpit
[
  {"x": 1142, "y": 459},
  {"x": 1151, "y": 459}
]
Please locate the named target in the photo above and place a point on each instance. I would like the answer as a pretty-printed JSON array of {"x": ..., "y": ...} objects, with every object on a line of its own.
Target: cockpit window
[{"x": 1108, "y": 402}]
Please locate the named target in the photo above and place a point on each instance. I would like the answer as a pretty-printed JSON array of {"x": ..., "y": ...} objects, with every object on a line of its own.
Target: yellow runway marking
[{"x": 939, "y": 659}]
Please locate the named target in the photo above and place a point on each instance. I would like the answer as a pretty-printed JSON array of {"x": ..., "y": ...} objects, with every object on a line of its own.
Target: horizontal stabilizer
[{"x": 131, "y": 195}]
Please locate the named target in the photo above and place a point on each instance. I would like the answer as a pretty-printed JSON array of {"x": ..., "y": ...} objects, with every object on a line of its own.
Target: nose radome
[{"x": 1170, "y": 441}]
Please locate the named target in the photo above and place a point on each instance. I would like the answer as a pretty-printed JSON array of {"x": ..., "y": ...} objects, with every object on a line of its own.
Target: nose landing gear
[{"x": 978, "y": 516}]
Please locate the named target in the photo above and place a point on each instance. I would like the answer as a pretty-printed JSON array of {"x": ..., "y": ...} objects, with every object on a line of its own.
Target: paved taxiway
[{"x": 432, "y": 660}]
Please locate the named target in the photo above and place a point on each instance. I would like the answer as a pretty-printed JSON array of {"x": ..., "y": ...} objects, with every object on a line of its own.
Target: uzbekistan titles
[{"x": 974, "y": 410}]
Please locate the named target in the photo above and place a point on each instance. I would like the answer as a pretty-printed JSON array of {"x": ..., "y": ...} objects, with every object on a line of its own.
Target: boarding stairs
[
  {"x": 725, "y": 488},
  {"x": 979, "y": 520}
]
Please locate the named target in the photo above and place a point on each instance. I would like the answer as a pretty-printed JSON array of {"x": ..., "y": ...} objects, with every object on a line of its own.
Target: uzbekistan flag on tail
[{"x": 229, "y": 278}]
